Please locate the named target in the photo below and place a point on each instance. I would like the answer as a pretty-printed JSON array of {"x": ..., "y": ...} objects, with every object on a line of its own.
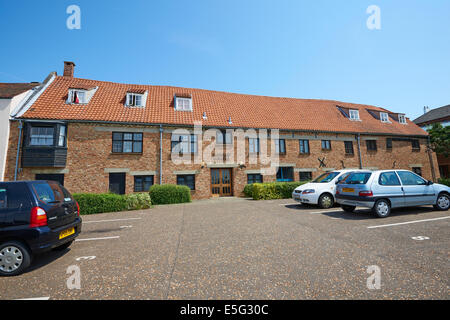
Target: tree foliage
[{"x": 440, "y": 139}]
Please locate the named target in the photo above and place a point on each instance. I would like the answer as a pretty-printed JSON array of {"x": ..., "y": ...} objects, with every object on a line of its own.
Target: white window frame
[
  {"x": 351, "y": 114},
  {"x": 402, "y": 119},
  {"x": 386, "y": 115},
  {"x": 133, "y": 102},
  {"x": 78, "y": 91},
  {"x": 183, "y": 104}
]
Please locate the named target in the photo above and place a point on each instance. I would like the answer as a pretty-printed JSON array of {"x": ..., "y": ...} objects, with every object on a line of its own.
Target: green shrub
[
  {"x": 169, "y": 193},
  {"x": 99, "y": 203},
  {"x": 248, "y": 190},
  {"x": 445, "y": 181},
  {"x": 274, "y": 190},
  {"x": 138, "y": 201}
]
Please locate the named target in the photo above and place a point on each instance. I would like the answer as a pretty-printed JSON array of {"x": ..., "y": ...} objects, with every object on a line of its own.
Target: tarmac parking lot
[{"x": 234, "y": 248}]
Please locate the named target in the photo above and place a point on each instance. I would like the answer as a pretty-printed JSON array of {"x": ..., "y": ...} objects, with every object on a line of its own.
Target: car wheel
[
  {"x": 382, "y": 208},
  {"x": 326, "y": 201},
  {"x": 348, "y": 208},
  {"x": 14, "y": 258},
  {"x": 443, "y": 202},
  {"x": 64, "y": 246}
]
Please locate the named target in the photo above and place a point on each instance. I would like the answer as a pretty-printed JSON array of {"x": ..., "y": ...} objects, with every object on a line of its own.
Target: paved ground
[{"x": 243, "y": 249}]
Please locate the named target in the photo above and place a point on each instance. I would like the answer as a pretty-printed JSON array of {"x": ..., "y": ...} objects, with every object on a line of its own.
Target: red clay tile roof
[
  {"x": 246, "y": 111},
  {"x": 10, "y": 90}
]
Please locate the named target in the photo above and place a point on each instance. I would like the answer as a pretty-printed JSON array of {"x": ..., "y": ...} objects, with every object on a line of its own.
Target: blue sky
[{"x": 303, "y": 49}]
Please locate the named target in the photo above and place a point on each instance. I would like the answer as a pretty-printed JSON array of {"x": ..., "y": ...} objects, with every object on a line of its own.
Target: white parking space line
[
  {"x": 92, "y": 239},
  {"x": 111, "y": 220},
  {"x": 39, "y": 298},
  {"x": 408, "y": 222},
  {"x": 289, "y": 204}
]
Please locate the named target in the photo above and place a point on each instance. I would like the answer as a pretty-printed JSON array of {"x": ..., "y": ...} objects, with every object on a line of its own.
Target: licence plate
[
  {"x": 348, "y": 190},
  {"x": 66, "y": 233}
]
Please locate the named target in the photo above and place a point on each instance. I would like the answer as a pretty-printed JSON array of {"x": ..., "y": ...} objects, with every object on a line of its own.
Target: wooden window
[
  {"x": 354, "y": 114},
  {"x": 285, "y": 174},
  {"x": 254, "y": 178},
  {"x": 304, "y": 146},
  {"x": 253, "y": 145},
  {"x": 305, "y": 176},
  {"x": 371, "y": 145},
  {"x": 348, "y": 147},
  {"x": 280, "y": 146},
  {"x": 415, "y": 145},
  {"x": 389, "y": 143},
  {"x": 183, "y": 104},
  {"x": 126, "y": 142},
  {"x": 142, "y": 183},
  {"x": 183, "y": 144},
  {"x": 186, "y": 180},
  {"x": 384, "y": 117},
  {"x": 326, "y": 145},
  {"x": 134, "y": 100}
]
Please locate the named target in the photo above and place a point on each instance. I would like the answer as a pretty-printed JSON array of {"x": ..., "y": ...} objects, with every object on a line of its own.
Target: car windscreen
[
  {"x": 326, "y": 177},
  {"x": 357, "y": 178}
]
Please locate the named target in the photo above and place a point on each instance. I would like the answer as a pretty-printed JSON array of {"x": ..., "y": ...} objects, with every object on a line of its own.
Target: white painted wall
[{"x": 6, "y": 107}]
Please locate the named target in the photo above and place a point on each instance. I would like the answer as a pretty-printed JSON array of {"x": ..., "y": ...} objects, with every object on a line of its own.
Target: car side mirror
[{"x": 429, "y": 183}]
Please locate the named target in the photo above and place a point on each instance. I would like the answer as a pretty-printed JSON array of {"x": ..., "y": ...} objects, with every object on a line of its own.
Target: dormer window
[
  {"x": 384, "y": 117},
  {"x": 77, "y": 96},
  {"x": 81, "y": 95},
  {"x": 354, "y": 114},
  {"x": 402, "y": 119},
  {"x": 183, "y": 103},
  {"x": 134, "y": 100}
]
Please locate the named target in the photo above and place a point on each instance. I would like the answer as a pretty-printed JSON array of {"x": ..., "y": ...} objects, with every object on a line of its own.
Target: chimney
[
  {"x": 426, "y": 109},
  {"x": 69, "y": 67}
]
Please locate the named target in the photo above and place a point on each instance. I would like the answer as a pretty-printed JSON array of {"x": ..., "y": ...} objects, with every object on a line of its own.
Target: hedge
[
  {"x": 91, "y": 203},
  {"x": 274, "y": 190},
  {"x": 445, "y": 181},
  {"x": 169, "y": 194}
]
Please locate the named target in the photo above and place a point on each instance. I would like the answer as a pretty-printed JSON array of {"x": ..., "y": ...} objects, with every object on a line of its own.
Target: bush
[
  {"x": 445, "y": 181},
  {"x": 138, "y": 201},
  {"x": 169, "y": 193},
  {"x": 248, "y": 190},
  {"x": 274, "y": 190},
  {"x": 99, "y": 203}
]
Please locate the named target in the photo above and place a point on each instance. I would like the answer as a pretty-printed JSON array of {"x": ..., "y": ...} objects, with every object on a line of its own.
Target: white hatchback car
[{"x": 322, "y": 190}]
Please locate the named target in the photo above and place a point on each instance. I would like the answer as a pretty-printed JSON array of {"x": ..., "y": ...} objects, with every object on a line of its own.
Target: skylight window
[
  {"x": 354, "y": 114},
  {"x": 402, "y": 119},
  {"x": 384, "y": 117},
  {"x": 183, "y": 104}
]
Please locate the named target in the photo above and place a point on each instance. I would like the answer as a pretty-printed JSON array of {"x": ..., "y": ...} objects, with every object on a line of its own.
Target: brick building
[
  {"x": 97, "y": 136},
  {"x": 439, "y": 115}
]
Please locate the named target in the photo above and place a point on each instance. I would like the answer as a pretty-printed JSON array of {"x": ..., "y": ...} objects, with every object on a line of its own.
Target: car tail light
[
  {"x": 366, "y": 193},
  {"x": 38, "y": 217},
  {"x": 337, "y": 191},
  {"x": 78, "y": 208}
]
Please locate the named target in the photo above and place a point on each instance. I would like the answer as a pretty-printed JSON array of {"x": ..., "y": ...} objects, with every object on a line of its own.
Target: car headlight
[{"x": 308, "y": 191}]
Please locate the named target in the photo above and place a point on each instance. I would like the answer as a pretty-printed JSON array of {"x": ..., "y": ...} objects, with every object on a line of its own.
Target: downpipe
[{"x": 19, "y": 142}]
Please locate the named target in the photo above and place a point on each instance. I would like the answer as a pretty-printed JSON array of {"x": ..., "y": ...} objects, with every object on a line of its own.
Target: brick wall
[{"x": 90, "y": 158}]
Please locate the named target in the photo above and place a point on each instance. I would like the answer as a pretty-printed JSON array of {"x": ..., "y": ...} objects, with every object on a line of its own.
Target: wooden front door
[{"x": 221, "y": 182}]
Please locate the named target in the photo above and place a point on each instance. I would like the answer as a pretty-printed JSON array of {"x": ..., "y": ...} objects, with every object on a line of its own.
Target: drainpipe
[
  {"x": 430, "y": 157},
  {"x": 19, "y": 142},
  {"x": 358, "y": 138},
  {"x": 160, "y": 152}
]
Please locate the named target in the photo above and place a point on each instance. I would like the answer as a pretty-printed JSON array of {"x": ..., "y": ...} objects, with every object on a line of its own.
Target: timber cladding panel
[{"x": 90, "y": 159}]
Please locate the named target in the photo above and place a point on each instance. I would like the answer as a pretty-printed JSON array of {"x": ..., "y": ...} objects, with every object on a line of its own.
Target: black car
[{"x": 35, "y": 216}]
